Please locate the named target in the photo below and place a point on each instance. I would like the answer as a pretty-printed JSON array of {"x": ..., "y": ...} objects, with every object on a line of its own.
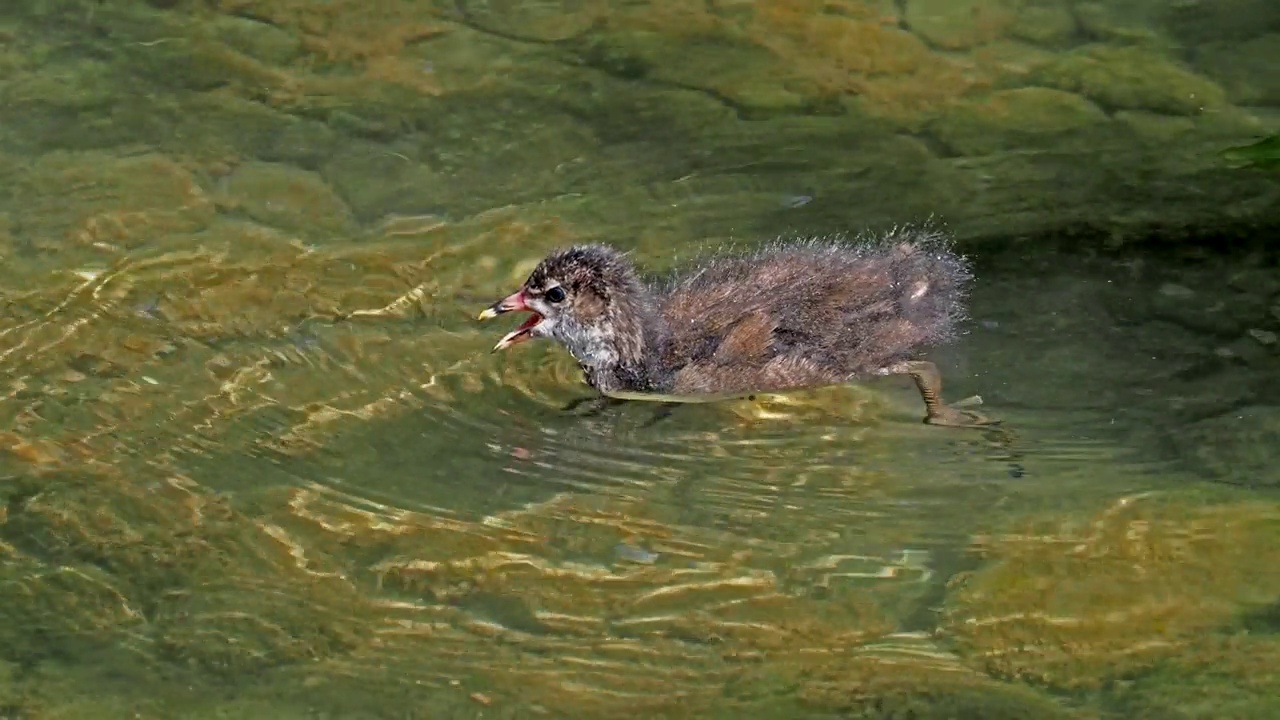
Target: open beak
[{"x": 515, "y": 301}]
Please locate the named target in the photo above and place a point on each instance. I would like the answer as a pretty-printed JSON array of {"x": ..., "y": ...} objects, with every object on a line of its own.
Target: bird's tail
[{"x": 932, "y": 282}]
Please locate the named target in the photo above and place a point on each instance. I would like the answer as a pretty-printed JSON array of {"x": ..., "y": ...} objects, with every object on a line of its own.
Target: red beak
[{"x": 514, "y": 301}]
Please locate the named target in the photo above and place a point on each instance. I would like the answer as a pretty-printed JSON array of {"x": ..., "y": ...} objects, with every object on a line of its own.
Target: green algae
[
  {"x": 1073, "y": 605},
  {"x": 1132, "y": 78},
  {"x": 1263, "y": 154}
]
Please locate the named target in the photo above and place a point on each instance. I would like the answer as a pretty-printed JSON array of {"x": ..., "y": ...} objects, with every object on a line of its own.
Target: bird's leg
[
  {"x": 596, "y": 404},
  {"x": 661, "y": 413},
  {"x": 576, "y": 403},
  {"x": 929, "y": 382}
]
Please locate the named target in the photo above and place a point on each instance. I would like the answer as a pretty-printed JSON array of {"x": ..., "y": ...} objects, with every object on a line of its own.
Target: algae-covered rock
[
  {"x": 264, "y": 41},
  {"x": 1079, "y": 603},
  {"x": 906, "y": 679},
  {"x": 305, "y": 143},
  {"x": 773, "y": 59},
  {"x": 1011, "y": 61},
  {"x": 1196, "y": 23},
  {"x": 538, "y": 22},
  {"x": 52, "y": 612},
  {"x": 880, "y": 69},
  {"x": 746, "y": 74},
  {"x": 76, "y": 86},
  {"x": 1225, "y": 677},
  {"x": 248, "y": 626},
  {"x": 1045, "y": 22},
  {"x": 377, "y": 182},
  {"x": 100, "y": 557},
  {"x": 1132, "y": 78},
  {"x": 1236, "y": 447},
  {"x": 220, "y": 127},
  {"x": 108, "y": 200},
  {"x": 958, "y": 24},
  {"x": 1157, "y": 128},
  {"x": 1020, "y": 118},
  {"x": 1133, "y": 21},
  {"x": 735, "y": 68},
  {"x": 938, "y": 698},
  {"x": 287, "y": 197},
  {"x": 1246, "y": 69}
]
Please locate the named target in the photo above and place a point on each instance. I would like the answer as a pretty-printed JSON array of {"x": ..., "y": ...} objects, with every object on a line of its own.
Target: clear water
[{"x": 260, "y": 463}]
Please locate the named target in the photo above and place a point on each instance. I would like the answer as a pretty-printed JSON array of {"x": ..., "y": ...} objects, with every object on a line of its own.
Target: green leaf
[{"x": 1263, "y": 154}]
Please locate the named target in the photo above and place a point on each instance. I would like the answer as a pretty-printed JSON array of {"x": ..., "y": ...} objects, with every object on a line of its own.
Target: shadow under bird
[{"x": 793, "y": 314}]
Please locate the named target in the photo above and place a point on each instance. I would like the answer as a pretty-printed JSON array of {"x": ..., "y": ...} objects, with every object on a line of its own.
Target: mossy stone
[
  {"x": 1015, "y": 118},
  {"x": 1132, "y": 78}
]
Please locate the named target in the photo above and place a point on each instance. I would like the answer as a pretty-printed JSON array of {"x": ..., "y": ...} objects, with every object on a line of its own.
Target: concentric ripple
[{"x": 263, "y": 457}]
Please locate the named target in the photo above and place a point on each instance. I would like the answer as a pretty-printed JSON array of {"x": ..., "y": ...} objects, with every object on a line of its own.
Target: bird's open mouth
[
  {"x": 520, "y": 334},
  {"x": 512, "y": 302}
]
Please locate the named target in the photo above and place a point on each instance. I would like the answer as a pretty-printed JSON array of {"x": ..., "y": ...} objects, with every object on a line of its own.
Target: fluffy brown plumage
[{"x": 793, "y": 314}]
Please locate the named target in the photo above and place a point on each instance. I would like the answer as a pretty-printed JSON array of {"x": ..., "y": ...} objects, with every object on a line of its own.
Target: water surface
[{"x": 260, "y": 463}]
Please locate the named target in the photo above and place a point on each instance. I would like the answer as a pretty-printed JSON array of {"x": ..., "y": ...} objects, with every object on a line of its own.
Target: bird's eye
[{"x": 555, "y": 294}]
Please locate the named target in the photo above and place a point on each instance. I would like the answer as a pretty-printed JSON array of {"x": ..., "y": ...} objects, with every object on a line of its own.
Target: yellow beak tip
[{"x": 487, "y": 314}]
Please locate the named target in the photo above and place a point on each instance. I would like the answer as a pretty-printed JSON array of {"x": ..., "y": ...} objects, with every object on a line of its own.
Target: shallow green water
[{"x": 257, "y": 460}]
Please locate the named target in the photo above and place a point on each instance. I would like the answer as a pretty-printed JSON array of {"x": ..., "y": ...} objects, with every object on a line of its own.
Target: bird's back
[{"x": 811, "y": 312}]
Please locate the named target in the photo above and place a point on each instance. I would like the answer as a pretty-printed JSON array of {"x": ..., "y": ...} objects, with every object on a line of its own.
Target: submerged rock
[
  {"x": 108, "y": 201},
  {"x": 1078, "y": 603},
  {"x": 260, "y": 40},
  {"x": 288, "y": 198},
  {"x": 93, "y": 560},
  {"x": 1133, "y": 21},
  {"x": 1045, "y": 22},
  {"x": 1246, "y": 69},
  {"x": 1220, "y": 680},
  {"x": 958, "y": 24},
  {"x": 1132, "y": 78},
  {"x": 1238, "y": 447},
  {"x": 1016, "y": 118},
  {"x": 893, "y": 686}
]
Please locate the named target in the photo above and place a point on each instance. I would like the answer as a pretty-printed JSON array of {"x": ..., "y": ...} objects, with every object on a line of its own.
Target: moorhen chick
[{"x": 794, "y": 314}]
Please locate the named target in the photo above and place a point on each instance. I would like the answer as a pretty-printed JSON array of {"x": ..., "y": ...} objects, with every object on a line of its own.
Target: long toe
[{"x": 949, "y": 416}]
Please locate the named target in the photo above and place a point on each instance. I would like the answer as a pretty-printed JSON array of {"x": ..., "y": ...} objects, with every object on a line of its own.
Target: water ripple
[{"x": 445, "y": 522}]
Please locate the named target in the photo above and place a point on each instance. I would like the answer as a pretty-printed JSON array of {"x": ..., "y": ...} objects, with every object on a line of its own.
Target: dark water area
[{"x": 256, "y": 459}]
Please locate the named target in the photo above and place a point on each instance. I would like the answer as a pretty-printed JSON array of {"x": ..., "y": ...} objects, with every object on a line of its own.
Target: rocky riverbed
[{"x": 255, "y": 460}]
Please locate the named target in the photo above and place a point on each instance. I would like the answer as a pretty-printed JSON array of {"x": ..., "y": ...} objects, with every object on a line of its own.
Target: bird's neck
[{"x": 627, "y": 353}]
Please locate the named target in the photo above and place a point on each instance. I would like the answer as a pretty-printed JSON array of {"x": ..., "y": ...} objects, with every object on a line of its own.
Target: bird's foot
[{"x": 952, "y": 416}]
